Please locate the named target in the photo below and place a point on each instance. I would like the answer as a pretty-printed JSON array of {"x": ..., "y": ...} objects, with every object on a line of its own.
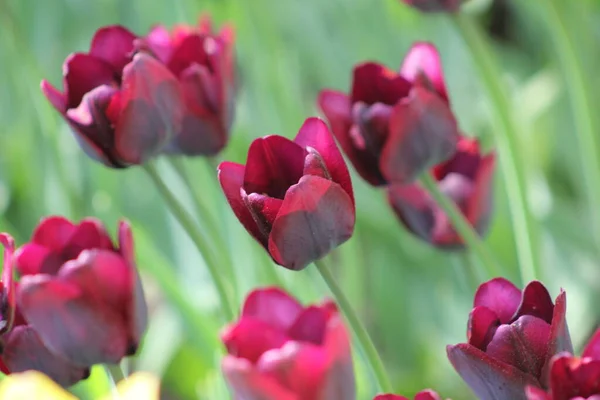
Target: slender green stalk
[
  {"x": 507, "y": 141},
  {"x": 465, "y": 266},
  {"x": 581, "y": 106},
  {"x": 114, "y": 372},
  {"x": 186, "y": 221},
  {"x": 358, "y": 328},
  {"x": 461, "y": 225}
]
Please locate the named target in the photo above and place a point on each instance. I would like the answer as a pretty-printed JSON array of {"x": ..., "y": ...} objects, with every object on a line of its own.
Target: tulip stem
[
  {"x": 358, "y": 328},
  {"x": 461, "y": 225},
  {"x": 114, "y": 372},
  {"x": 186, "y": 221},
  {"x": 507, "y": 140},
  {"x": 581, "y": 106}
]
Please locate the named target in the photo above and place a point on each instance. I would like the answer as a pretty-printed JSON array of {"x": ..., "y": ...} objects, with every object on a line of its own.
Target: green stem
[
  {"x": 581, "y": 106},
  {"x": 507, "y": 141},
  {"x": 461, "y": 225},
  {"x": 358, "y": 328},
  {"x": 186, "y": 221},
  {"x": 114, "y": 372}
]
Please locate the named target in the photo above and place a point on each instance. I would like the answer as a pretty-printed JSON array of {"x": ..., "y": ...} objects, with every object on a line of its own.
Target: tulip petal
[
  {"x": 231, "y": 178},
  {"x": 53, "y": 232},
  {"x": 82, "y": 74},
  {"x": 33, "y": 259},
  {"x": 390, "y": 397},
  {"x": 375, "y": 83},
  {"x": 592, "y": 349},
  {"x": 483, "y": 322},
  {"x": 414, "y": 207},
  {"x": 7, "y": 285},
  {"x": 250, "y": 338},
  {"x": 190, "y": 50},
  {"x": 536, "y": 301},
  {"x": 152, "y": 109},
  {"x": 274, "y": 164},
  {"x": 560, "y": 339},
  {"x": 489, "y": 378},
  {"x": 247, "y": 383},
  {"x": 310, "y": 326},
  {"x": 264, "y": 210},
  {"x": 423, "y": 58},
  {"x": 54, "y": 96},
  {"x": 572, "y": 376},
  {"x": 114, "y": 45},
  {"x": 427, "y": 395},
  {"x": 422, "y": 133},
  {"x": 23, "y": 351},
  {"x": 535, "y": 393},
  {"x": 317, "y": 215},
  {"x": 500, "y": 296},
  {"x": 272, "y": 305},
  {"x": 314, "y": 133},
  {"x": 479, "y": 204}
]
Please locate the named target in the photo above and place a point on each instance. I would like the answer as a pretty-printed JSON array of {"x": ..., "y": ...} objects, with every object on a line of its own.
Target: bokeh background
[{"x": 415, "y": 299}]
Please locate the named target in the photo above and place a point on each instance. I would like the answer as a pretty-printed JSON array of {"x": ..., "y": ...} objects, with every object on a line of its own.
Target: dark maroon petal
[
  {"x": 487, "y": 377},
  {"x": 54, "y": 96},
  {"x": 264, "y": 210},
  {"x": 249, "y": 338},
  {"x": 572, "y": 377},
  {"x": 247, "y": 383},
  {"x": 151, "y": 110},
  {"x": 479, "y": 204},
  {"x": 231, "y": 178},
  {"x": 200, "y": 135},
  {"x": 536, "y": 301},
  {"x": 23, "y": 351},
  {"x": 274, "y": 164},
  {"x": 592, "y": 348},
  {"x": 317, "y": 215},
  {"x": 273, "y": 306},
  {"x": 522, "y": 344},
  {"x": 427, "y": 395},
  {"x": 7, "y": 286},
  {"x": 315, "y": 134},
  {"x": 500, "y": 296},
  {"x": 190, "y": 50},
  {"x": 535, "y": 393},
  {"x": 375, "y": 83},
  {"x": 423, "y": 58},
  {"x": 80, "y": 314},
  {"x": 114, "y": 45},
  {"x": 201, "y": 90},
  {"x": 560, "y": 340},
  {"x": 465, "y": 161},
  {"x": 422, "y": 133},
  {"x": 310, "y": 326},
  {"x": 482, "y": 325},
  {"x": 82, "y": 73},
  {"x": 413, "y": 207}
]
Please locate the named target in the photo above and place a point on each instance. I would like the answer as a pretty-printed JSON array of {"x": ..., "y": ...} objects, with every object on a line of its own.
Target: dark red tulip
[
  {"x": 435, "y": 5},
  {"x": 281, "y": 350},
  {"x": 466, "y": 178},
  {"x": 123, "y": 107},
  {"x": 573, "y": 378},
  {"x": 20, "y": 346},
  {"x": 424, "y": 395},
  {"x": 81, "y": 294},
  {"x": 393, "y": 126},
  {"x": 294, "y": 197},
  {"x": 512, "y": 336},
  {"x": 203, "y": 62}
]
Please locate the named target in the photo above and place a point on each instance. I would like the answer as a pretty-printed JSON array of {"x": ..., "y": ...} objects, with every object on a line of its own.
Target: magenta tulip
[
  {"x": 424, "y": 395},
  {"x": 82, "y": 295},
  {"x": 466, "y": 179},
  {"x": 512, "y": 336},
  {"x": 435, "y": 5},
  {"x": 294, "y": 197},
  {"x": 280, "y": 350},
  {"x": 203, "y": 62},
  {"x": 393, "y": 126},
  {"x": 123, "y": 107}
]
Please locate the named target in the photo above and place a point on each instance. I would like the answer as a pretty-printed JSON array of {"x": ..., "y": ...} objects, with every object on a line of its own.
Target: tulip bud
[
  {"x": 294, "y": 197},
  {"x": 280, "y": 350}
]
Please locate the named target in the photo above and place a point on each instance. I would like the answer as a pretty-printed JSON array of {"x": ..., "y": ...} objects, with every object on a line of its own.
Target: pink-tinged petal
[
  {"x": 422, "y": 133},
  {"x": 479, "y": 204},
  {"x": 53, "y": 232},
  {"x": 8, "y": 285},
  {"x": 151, "y": 110},
  {"x": 375, "y": 83},
  {"x": 264, "y": 210},
  {"x": 572, "y": 378},
  {"x": 465, "y": 161},
  {"x": 23, "y": 351},
  {"x": 310, "y": 326},
  {"x": 189, "y": 51},
  {"x": 521, "y": 344},
  {"x": 592, "y": 348},
  {"x": 33, "y": 259},
  {"x": 315, "y": 134},
  {"x": 231, "y": 178},
  {"x": 500, "y": 296},
  {"x": 560, "y": 339},
  {"x": 114, "y": 45},
  {"x": 390, "y": 397},
  {"x": 273, "y": 306},
  {"x": 82, "y": 73},
  {"x": 88, "y": 297},
  {"x": 249, "y": 338},
  {"x": 535, "y": 393},
  {"x": 340, "y": 379},
  {"x": 88, "y": 234},
  {"x": 427, "y": 395},
  {"x": 423, "y": 58},
  {"x": 317, "y": 215},
  {"x": 54, "y": 96},
  {"x": 536, "y": 301},
  {"x": 487, "y": 377},
  {"x": 274, "y": 164},
  {"x": 483, "y": 323},
  {"x": 247, "y": 383},
  {"x": 414, "y": 208}
]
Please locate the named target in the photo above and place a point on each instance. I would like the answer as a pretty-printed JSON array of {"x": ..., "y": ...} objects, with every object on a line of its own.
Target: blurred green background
[{"x": 414, "y": 298}]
